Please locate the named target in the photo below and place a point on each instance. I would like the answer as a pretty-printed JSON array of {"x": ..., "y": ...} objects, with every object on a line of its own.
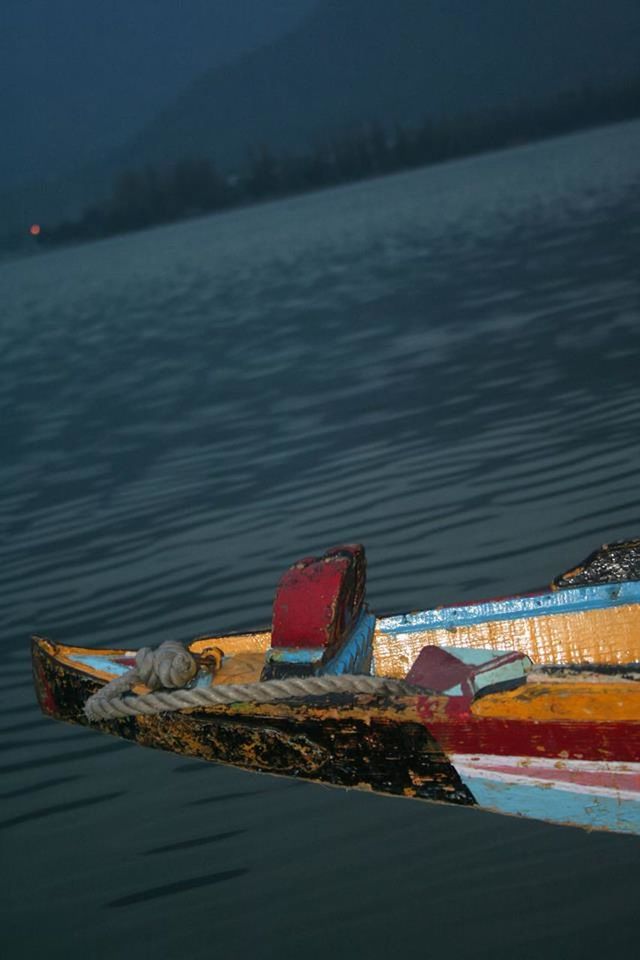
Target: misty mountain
[
  {"x": 354, "y": 61},
  {"x": 351, "y": 62},
  {"x": 80, "y": 77}
]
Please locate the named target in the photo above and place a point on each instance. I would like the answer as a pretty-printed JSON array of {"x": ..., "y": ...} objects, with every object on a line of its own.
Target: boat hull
[
  {"x": 570, "y": 771},
  {"x": 370, "y": 743},
  {"x": 525, "y": 705}
]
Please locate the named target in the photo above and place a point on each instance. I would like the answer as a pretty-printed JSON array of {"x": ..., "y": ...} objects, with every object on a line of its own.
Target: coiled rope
[{"x": 171, "y": 667}]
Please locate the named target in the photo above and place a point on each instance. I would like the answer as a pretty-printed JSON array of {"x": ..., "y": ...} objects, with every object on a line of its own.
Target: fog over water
[{"x": 443, "y": 365}]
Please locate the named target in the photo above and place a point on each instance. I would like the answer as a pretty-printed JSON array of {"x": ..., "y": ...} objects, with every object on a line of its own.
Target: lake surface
[{"x": 443, "y": 365}]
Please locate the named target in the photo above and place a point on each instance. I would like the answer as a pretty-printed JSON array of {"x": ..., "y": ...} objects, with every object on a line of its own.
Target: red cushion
[{"x": 318, "y": 599}]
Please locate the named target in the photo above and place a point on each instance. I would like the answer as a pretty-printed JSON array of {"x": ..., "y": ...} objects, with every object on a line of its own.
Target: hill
[
  {"x": 353, "y": 61},
  {"x": 79, "y": 78}
]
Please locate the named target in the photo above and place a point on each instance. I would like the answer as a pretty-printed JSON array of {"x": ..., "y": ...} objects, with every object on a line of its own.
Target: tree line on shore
[{"x": 193, "y": 186}]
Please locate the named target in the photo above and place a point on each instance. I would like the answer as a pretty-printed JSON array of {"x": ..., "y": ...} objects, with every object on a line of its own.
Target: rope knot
[{"x": 170, "y": 666}]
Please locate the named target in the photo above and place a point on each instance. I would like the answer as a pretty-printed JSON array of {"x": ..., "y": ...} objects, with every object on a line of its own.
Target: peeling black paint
[{"x": 362, "y": 742}]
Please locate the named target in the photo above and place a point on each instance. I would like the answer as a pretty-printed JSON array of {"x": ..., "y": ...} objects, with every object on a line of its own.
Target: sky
[{"x": 80, "y": 76}]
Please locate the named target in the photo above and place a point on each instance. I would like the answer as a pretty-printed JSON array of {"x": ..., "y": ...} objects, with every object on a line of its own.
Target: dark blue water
[{"x": 443, "y": 365}]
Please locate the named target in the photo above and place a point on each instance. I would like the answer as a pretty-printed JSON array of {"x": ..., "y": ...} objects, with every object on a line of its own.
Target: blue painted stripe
[
  {"x": 97, "y": 662},
  {"x": 201, "y": 679},
  {"x": 571, "y": 600},
  {"x": 555, "y": 805},
  {"x": 295, "y": 654},
  {"x": 356, "y": 654}
]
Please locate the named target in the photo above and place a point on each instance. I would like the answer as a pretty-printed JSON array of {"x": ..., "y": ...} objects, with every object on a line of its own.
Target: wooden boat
[{"x": 528, "y": 705}]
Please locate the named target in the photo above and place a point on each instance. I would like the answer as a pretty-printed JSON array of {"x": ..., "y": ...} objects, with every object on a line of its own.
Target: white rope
[
  {"x": 172, "y": 666},
  {"x": 167, "y": 671},
  {"x": 99, "y": 707}
]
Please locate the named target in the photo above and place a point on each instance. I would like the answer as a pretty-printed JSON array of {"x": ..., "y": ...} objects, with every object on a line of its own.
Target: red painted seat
[
  {"x": 319, "y": 598},
  {"x": 316, "y": 604}
]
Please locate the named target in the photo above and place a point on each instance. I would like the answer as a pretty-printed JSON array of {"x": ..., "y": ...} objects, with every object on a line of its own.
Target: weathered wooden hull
[
  {"x": 472, "y": 721},
  {"x": 359, "y": 742},
  {"x": 537, "y": 753}
]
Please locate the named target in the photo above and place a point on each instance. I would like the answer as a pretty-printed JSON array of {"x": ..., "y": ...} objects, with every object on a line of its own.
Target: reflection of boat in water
[{"x": 527, "y": 705}]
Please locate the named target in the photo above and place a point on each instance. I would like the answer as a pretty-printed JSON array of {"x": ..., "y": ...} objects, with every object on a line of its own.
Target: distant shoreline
[{"x": 152, "y": 196}]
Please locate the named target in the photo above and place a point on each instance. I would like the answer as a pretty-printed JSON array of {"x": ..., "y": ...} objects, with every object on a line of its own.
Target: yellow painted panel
[
  {"x": 574, "y": 701},
  {"x": 240, "y": 668},
  {"x": 241, "y": 643},
  {"x": 244, "y": 656},
  {"x": 591, "y": 636}
]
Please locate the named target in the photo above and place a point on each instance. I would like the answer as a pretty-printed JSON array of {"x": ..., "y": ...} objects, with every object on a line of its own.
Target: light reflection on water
[{"x": 441, "y": 364}]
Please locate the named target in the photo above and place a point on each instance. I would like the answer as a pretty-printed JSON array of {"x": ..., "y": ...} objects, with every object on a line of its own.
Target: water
[{"x": 441, "y": 364}]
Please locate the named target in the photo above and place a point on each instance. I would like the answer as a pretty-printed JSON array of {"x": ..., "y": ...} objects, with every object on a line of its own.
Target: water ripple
[{"x": 442, "y": 364}]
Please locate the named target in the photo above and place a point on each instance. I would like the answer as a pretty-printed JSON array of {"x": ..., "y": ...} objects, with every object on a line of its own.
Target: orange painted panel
[
  {"x": 590, "y": 636},
  {"x": 230, "y": 646},
  {"x": 573, "y": 700}
]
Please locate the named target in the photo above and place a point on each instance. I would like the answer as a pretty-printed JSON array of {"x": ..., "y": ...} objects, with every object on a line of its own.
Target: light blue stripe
[
  {"x": 555, "y": 805},
  {"x": 295, "y": 654},
  {"x": 99, "y": 663},
  {"x": 556, "y": 602},
  {"x": 201, "y": 679},
  {"x": 356, "y": 654}
]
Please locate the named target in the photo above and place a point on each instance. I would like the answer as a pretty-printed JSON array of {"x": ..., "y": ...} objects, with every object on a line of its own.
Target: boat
[{"x": 526, "y": 705}]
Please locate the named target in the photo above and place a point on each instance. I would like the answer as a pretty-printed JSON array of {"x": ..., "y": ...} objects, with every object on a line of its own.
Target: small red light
[{"x": 35, "y": 229}]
